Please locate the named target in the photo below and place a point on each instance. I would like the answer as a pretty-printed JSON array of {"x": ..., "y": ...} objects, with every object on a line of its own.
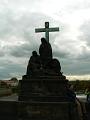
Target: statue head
[
  {"x": 34, "y": 53},
  {"x": 43, "y": 40}
]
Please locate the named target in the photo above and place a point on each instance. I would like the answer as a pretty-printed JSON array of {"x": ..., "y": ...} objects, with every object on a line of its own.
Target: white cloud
[{"x": 18, "y": 20}]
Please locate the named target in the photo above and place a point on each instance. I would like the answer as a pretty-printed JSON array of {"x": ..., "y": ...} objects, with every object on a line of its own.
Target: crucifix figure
[{"x": 46, "y": 30}]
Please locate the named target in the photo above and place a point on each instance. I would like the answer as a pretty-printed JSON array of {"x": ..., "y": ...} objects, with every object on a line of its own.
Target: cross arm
[
  {"x": 53, "y": 29},
  {"x": 40, "y": 30}
]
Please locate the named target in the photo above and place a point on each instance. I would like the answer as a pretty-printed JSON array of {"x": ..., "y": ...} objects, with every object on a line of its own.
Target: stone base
[
  {"x": 43, "y": 89},
  {"x": 19, "y": 110}
]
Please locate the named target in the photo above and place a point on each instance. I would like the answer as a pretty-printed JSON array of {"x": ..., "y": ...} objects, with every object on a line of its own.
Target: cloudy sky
[{"x": 71, "y": 45}]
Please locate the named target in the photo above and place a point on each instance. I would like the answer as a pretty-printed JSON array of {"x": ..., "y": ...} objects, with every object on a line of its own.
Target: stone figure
[
  {"x": 54, "y": 65},
  {"x": 45, "y": 52},
  {"x": 34, "y": 63}
]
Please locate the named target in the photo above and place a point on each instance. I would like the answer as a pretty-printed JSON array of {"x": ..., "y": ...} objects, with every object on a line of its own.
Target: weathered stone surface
[
  {"x": 44, "y": 88},
  {"x": 8, "y": 110},
  {"x": 12, "y": 110}
]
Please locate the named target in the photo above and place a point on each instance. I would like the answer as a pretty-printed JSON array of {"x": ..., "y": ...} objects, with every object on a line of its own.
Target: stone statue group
[{"x": 44, "y": 63}]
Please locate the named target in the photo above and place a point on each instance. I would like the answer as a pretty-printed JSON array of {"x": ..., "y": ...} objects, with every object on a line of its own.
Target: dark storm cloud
[
  {"x": 23, "y": 50},
  {"x": 11, "y": 70},
  {"x": 85, "y": 55},
  {"x": 2, "y": 53},
  {"x": 60, "y": 54},
  {"x": 75, "y": 67}
]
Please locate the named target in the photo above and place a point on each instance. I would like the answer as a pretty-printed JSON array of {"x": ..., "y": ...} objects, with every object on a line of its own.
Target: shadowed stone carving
[
  {"x": 34, "y": 64},
  {"x": 43, "y": 64},
  {"x": 45, "y": 51}
]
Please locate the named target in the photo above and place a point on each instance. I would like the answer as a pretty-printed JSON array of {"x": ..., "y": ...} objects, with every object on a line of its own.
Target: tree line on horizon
[{"x": 80, "y": 85}]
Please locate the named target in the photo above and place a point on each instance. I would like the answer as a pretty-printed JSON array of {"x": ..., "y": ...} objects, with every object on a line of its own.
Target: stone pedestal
[
  {"x": 45, "y": 98},
  {"x": 43, "y": 89}
]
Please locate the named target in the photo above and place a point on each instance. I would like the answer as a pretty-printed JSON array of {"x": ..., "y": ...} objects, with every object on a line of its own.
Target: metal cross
[{"x": 47, "y": 30}]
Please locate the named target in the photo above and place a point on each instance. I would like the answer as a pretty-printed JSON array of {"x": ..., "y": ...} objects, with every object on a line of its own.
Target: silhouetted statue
[
  {"x": 45, "y": 52},
  {"x": 33, "y": 64},
  {"x": 54, "y": 65}
]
